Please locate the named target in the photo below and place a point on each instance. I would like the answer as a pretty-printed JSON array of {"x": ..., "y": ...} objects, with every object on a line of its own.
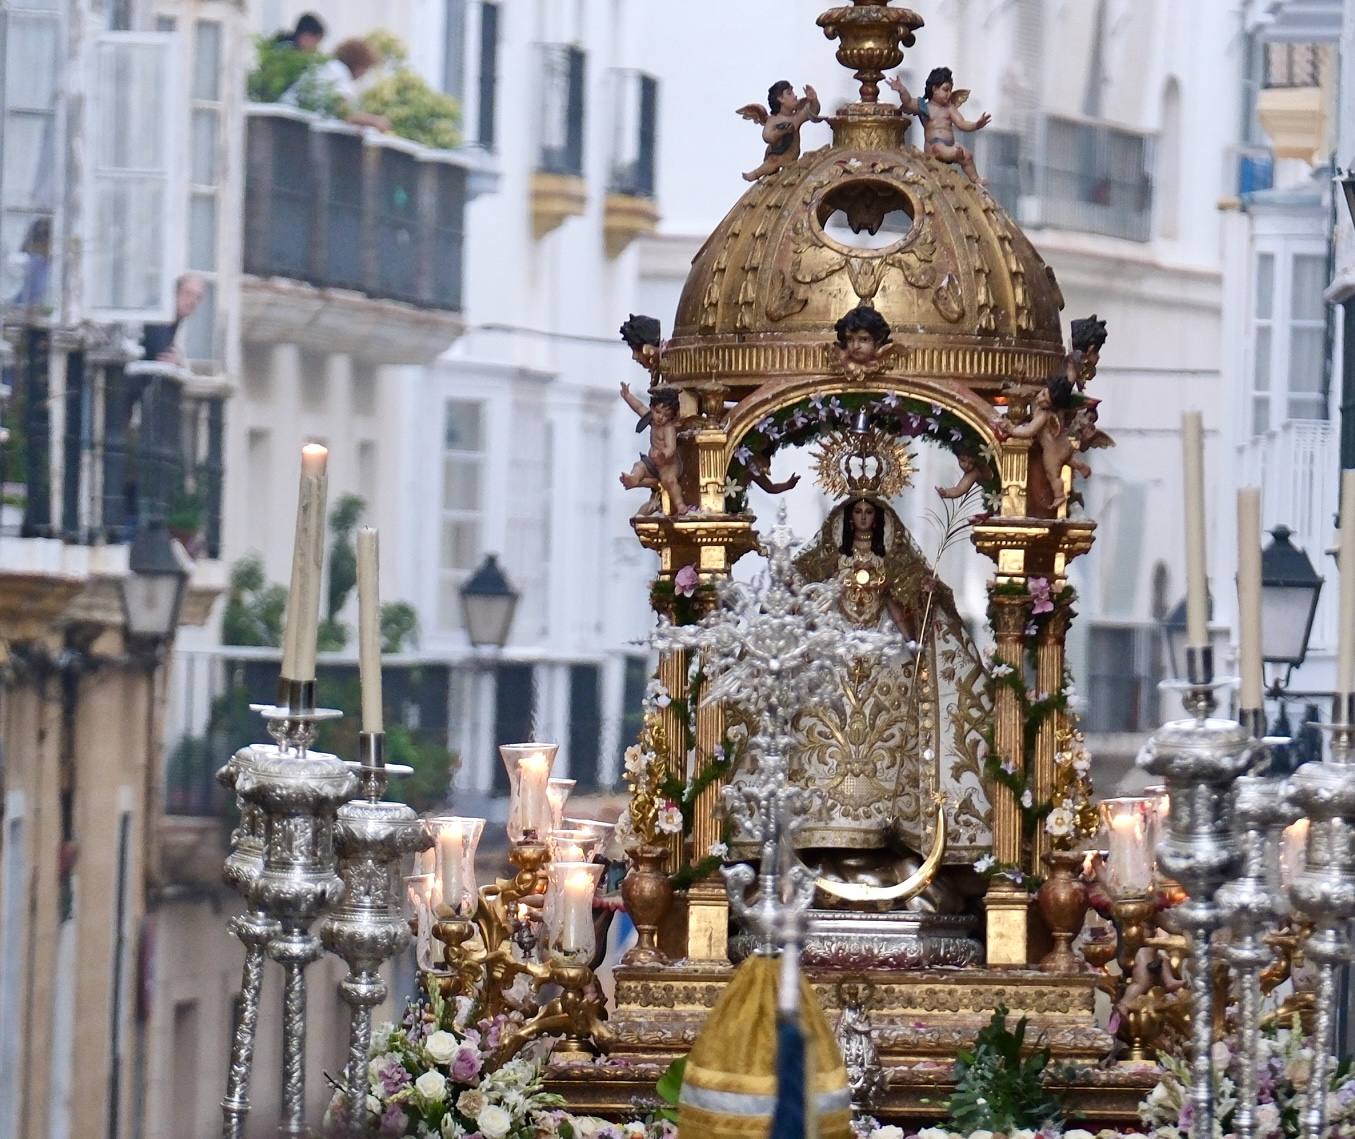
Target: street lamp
[
  {"x": 1174, "y": 633},
  {"x": 1290, "y": 589},
  {"x": 153, "y": 592},
  {"x": 488, "y": 602}
]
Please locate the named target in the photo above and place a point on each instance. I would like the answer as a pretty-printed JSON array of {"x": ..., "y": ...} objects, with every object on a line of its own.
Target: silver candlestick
[
  {"x": 1324, "y": 889},
  {"x": 1199, "y": 759},
  {"x": 297, "y": 792},
  {"x": 371, "y": 838}
]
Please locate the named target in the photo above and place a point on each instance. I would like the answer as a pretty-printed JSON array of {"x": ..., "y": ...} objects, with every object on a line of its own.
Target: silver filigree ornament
[{"x": 772, "y": 647}]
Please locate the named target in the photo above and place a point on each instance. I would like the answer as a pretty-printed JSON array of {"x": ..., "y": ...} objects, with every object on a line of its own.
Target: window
[
  {"x": 128, "y": 270},
  {"x": 489, "y": 75},
  {"x": 635, "y": 679},
  {"x": 1124, "y": 667},
  {"x": 314, "y": 378},
  {"x": 585, "y": 725},
  {"x": 1288, "y": 341},
  {"x": 1095, "y": 178},
  {"x": 635, "y": 98},
  {"x": 997, "y": 153},
  {"x": 463, "y": 462},
  {"x": 454, "y": 48},
  {"x": 562, "y": 109},
  {"x": 201, "y": 341},
  {"x": 32, "y": 55}
]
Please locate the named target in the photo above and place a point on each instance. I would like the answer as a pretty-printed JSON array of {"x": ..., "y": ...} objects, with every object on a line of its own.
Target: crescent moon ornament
[{"x": 911, "y": 886}]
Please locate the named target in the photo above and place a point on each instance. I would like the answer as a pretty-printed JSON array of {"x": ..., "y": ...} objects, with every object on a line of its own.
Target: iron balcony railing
[
  {"x": 562, "y": 77},
  {"x": 1093, "y": 177},
  {"x": 635, "y": 99},
  {"x": 340, "y": 208}
]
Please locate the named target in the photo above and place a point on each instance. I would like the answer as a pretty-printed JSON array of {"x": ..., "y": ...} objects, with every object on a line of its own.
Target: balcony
[
  {"x": 630, "y": 211},
  {"x": 1291, "y": 105},
  {"x": 558, "y": 189},
  {"x": 1090, "y": 177},
  {"x": 352, "y": 238}
]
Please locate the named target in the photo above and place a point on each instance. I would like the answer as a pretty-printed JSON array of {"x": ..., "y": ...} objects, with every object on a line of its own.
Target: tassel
[{"x": 790, "y": 1119}]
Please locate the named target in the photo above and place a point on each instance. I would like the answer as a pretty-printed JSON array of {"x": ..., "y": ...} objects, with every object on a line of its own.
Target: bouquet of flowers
[{"x": 1284, "y": 1066}]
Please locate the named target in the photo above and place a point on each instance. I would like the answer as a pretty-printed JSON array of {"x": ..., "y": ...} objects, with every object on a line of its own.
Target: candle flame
[
  {"x": 579, "y": 880},
  {"x": 536, "y": 761}
]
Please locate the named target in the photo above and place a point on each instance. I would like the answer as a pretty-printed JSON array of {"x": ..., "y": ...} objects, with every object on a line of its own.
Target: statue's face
[
  {"x": 863, "y": 517},
  {"x": 787, "y": 100},
  {"x": 860, "y": 347},
  {"x": 662, "y": 414},
  {"x": 941, "y": 95}
]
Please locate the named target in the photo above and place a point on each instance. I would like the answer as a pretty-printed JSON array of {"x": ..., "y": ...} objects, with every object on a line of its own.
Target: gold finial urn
[{"x": 871, "y": 37}]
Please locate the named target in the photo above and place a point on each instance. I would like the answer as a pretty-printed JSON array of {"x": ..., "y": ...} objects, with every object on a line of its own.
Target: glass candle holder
[
  {"x": 569, "y": 902},
  {"x": 571, "y": 845},
  {"x": 418, "y": 907},
  {"x": 557, "y": 794},
  {"x": 455, "y": 841},
  {"x": 603, "y": 830},
  {"x": 1159, "y": 805},
  {"x": 529, "y": 767},
  {"x": 1129, "y": 864}
]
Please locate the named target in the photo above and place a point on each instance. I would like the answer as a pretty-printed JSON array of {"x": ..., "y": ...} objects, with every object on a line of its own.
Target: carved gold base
[{"x": 918, "y": 1016}]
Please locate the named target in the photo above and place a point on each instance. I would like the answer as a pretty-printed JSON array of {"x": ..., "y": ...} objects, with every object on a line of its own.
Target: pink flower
[
  {"x": 686, "y": 581},
  {"x": 1038, "y": 588},
  {"x": 465, "y": 1064}
]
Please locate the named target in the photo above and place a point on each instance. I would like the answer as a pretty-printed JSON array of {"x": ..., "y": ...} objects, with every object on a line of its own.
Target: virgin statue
[{"x": 895, "y": 737}]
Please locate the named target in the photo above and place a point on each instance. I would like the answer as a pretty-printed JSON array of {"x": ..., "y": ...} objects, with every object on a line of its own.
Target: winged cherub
[
  {"x": 780, "y": 128},
  {"x": 939, "y": 110},
  {"x": 1051, "y": 426}
]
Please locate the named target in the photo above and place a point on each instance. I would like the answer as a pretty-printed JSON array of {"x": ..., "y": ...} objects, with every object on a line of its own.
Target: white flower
[
  {"x": 1082, "y": 761},
  {"x": 891, "y": 1132},
  {"x": 441, "y": 1046},
  {"x": 634, "y": 759},
  {"x": 373, "y": 1105},
  {"x": 450, "y": 1128},
  {"x": 1078, "y": 1133},
  {"x": 493, "y": 1122},
  {"x": 1026, "y": 799},
  {"x": 432, "y": 1087},
  {"x": 381, "y": 1035},
  {"x": 1002, "y": 669},
  {"x": 1059, "y": 822},
  {"x": 670, "y": 819},
  {"x": 634, "y": 1130},
  {"x": 1267, "y": 1117},
  {"x": 987, "y": 1135},
  {"x": 471, "y": 1102},
  {"x": 982, "y": 864},
  {"x": 932, "y": 1133},
  {"x": 719, "y": 850},
  {"x": 1022, "y": 1133}
]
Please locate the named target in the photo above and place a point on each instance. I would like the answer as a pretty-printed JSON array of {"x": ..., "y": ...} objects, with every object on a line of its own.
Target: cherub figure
[
  {"x": 659, "y": 468},
  {"x": 972, "y": 469},
  {"x": 939, "y": 110},
  {"x": 780, "y": 127},
  {"x": 641, "y": 334},
  {"x": 1047, "y": 426},
  {"x": 863, "y": 342},
  {"x": 1087, "y": 336}
]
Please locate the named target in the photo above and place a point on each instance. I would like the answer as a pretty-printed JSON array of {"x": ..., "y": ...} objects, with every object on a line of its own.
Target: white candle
[
  {"x": 308, "y": 557},
  {"x": 1197, "y": 588},
  {"x": 1249, "y": 596},
  {"x": 1130, "y": 863},
  {"x": 576, "y": 922},
  {"x": 369, "y": 630},
  {"x": 451, "y": 841},
  {"x": 1345, "y": 637},
  {"x": 533, "y": 806},
  {"x": 1293, "y": 851}
]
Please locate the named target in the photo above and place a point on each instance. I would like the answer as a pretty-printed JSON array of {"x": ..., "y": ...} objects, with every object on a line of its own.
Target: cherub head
[
  {"x": 940, "y": 83},
  {"x": 663, "y": 406},
  {"x": 641, "y": 334},
  {"x": 861, "y": 334},
  {"x": 1056, "y": 394},
  {"x": 781, "y": 98},
  {"x": 1088, "y": 335}
]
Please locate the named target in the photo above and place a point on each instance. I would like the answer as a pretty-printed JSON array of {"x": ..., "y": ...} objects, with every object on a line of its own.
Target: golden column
[
  {"x": 1007, "y": 904},
  {"x": 707, "y": 901},
  {"x": 1050, "y": 654}
]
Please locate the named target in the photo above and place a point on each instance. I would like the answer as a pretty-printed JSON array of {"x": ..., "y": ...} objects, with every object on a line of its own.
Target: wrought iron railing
[
  {"x": 635, "y": 101},
  {"x": 560, "y": 119},
  {"x": 1094, "y": 178},
  {"x": 1293, "y": 65}
]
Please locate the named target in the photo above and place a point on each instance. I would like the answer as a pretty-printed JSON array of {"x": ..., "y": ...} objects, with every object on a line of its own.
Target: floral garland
[{"x": 895, "y": 414}]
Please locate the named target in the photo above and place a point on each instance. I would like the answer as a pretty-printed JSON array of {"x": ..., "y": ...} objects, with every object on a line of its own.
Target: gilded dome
[{"x": 966, "y": 295}]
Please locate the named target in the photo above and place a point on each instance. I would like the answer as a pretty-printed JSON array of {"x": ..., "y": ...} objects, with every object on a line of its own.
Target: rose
[
  {"x": 431, "y": 1087},
  {"x": 471, "y": 1102},
  {"x": 670, "y": 818},
  {"x": 466, "y": 1064},
  {"x": 494, "y": 1122},
  {"x": 441, "y": 1046},
  {"x": 685, "y": 581}
]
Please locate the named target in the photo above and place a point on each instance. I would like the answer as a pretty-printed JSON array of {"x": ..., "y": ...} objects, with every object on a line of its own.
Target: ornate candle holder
[
  {"x": 297, "y": 793},
  {"x": 558, "y": 792},
  {"x": 1324, "y": 889},
  {"x": 1199, "y": 759},
  {"x": 529, "y": 812},
  {"x": 371, "y": 839}
]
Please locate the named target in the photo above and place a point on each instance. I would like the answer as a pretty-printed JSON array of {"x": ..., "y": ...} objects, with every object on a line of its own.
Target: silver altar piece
[
  {"x": 1324, "y": 889},
  {"x": 255, "y": 930},
  {"x": 861, "y": 941},
  {"x": 1249, "y": 907},
  {"x": 371, "y": 838},
  {"x": 1199, "y": 759},
  {"x": 856, "y": 1041}
]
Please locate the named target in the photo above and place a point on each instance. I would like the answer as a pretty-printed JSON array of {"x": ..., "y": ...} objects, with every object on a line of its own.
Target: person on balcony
[
  {"x": 158, "y": 340},
  {"x": 306, "y": 36},
  {"x": 332, "y": 87}
]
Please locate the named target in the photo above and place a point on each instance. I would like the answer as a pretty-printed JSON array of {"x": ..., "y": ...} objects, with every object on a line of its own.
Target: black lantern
[
  {"x": 152, "y": 593},
  {"x": 1174, "y": 633},
  {"x": 1290, "y": 588},
  {"x": 488, "y": 602}
]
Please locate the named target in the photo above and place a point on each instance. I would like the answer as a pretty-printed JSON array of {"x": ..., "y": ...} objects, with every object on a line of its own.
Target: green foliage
[
  {"x": 255, "y": 610},
  {"x": 331, "y": 636},
  {"x": 343, "y": 556},
  {"x": 415, "y": 110},
  {"x": 277, "y": 67},
  {"x": 669, "y": 1088},
  {"x": 399, "y": 627},
  {"x": 996, "y": 1088},
  {"x": 186, "y": 510}
]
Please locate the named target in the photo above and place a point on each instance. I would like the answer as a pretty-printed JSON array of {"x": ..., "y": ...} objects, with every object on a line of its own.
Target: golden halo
[{"x": 861, "y": 463}]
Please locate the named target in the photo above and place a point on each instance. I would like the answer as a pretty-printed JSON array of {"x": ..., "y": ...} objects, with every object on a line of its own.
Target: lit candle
[
  {"x": 369, "y": 630},
  {"x": 533, "y": 806},
  {"x": 1293, "y": 850},
  {"x": 1197, "y": 588},
  {"x": 576, "y": 917},
  {"x": 1129, "y": 860},
  {"x": 308, "y": 556},
  {"x": 1345, "y": 643},
  {"x": 1249, "y": 596},
  {"x": 451, "y": 840}
]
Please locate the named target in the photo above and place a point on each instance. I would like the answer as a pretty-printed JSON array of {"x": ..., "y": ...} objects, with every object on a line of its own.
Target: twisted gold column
[
  {"x": 707, "y": 901},
  {"x": 1007, "y": 905},
  {"x": 1049, "y": 661}
]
